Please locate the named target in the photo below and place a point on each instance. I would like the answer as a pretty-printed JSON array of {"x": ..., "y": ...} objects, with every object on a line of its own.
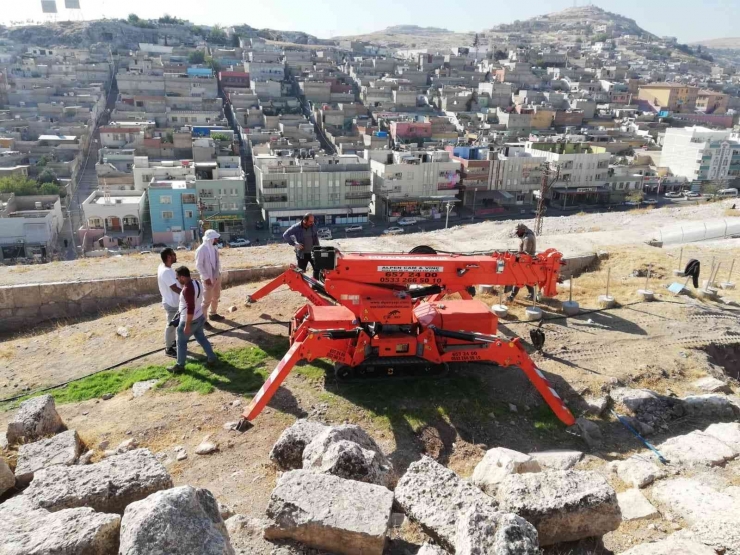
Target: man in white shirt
[
  {"x": 208, "y": 264},
  {"x": 170, "y": 289}
]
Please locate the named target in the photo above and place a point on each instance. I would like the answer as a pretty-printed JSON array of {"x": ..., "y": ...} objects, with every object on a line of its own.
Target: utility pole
[
  {"x": 448, "y": 208},
  {"x": 474, "y": 193},
  {"x": 545, "y": 185}
]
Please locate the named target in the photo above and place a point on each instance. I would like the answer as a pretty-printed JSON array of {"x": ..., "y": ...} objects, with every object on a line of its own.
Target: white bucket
[
  {"x": 533, "y": 313},
  {"x": 606, "y": 301},
  {"x": 646, "y": 294},
  {"x": 501, "y": 311},
  {"x": 571, "y": 308}
]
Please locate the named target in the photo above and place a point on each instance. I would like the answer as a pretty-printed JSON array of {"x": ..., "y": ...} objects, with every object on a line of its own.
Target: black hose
[{"x": 127, "y": 361}]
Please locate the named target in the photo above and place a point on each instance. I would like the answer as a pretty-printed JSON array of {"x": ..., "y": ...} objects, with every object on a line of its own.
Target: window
[
  {"x": 167, "y": 215},
  {"x": 188, "y": 213},
  {"x": 188, "y": 198},
  {"x": 174, "y": 119},
  {"x": 165, "y": 199}
]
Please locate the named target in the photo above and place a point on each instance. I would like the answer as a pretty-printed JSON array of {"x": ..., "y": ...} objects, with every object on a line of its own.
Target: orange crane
[{"x": 381, "y": 314}]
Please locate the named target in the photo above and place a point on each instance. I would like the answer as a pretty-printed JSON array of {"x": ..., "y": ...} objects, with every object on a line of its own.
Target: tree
[
  {"x": 133, "y": 19},
  {"x": 500, "y": 55},
  {"x": 48, "y": 176},
  {"x": 213, "y": 64},
  {"x": 197, "y": 57},
  {"x": 49, "y": 189},
  {"x": 711, "y": 187},
  {"x": 636, "y": 196},
  {"x": 18, "y": 184},
  {"x": 41, "y": 162},
  {"x": 217, "y": 35},
  {"x": 220, "y": 137}
]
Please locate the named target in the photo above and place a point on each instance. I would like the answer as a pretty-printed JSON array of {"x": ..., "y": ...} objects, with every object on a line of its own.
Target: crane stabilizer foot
[{"x": 243, "y": 425}]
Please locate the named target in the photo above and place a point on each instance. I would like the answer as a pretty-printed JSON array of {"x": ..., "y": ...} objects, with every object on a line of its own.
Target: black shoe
[
  {"x": 175, "y": 369},
  {"x": 216, "y": 317},
  {"x": 208, "y": 326},
  {"x": 510, "y": 299},
  {"x": 529, "y": 297},
  {"x": 171, "y": 352}
]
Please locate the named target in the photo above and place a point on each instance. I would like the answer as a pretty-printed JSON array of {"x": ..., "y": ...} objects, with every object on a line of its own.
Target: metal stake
[
  {"x": 680, "y": 258},
  {"x": 570, "y": 292},
  {"x": 608, "y": 277},
  {"x": 729, "y": 276},
  {"x": 650, "y": 267}
]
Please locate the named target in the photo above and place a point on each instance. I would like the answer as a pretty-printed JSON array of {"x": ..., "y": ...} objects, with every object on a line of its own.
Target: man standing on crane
[
  {"x": 304, "y": 237},
  {"x": 527, "y": 245}
]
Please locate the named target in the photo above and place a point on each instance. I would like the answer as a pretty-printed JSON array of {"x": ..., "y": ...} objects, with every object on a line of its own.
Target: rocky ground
[{"x": 670, "y": 367}]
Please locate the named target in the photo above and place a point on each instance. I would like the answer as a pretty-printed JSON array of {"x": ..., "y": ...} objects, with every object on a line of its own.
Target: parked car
[
  {"x": 406, "y": 221},
  {"x": 692, "y": 194},
  {"x": 324, "y": 233},
  {"x": 727, "y": 193},
  {"x": 353, "y": 228},
  {"x": 236, "y": 243},
  {"x": 673, "y": 194},
  {"x": 650, "y": 201},
  {"x": 631, "y": 203},
  {"x": 395, "y": 230}
]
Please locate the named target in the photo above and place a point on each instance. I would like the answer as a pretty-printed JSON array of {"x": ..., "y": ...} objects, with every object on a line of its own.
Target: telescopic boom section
[{"x": 453, "y": 272}]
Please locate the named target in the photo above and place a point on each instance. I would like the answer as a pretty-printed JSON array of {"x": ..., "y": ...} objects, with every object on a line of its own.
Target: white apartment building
[
  {"x": 412, "y": 183},
  {"x": 583, "y": 172},
  {"x": 164, "y": 170},
  {"x": 699, "y": 153},
  {"x": 515, "y": 176},
  {"x": 336, "y": 189},
  {"x": 29, "y": 226},
  {"x": 113, "y": 219}
]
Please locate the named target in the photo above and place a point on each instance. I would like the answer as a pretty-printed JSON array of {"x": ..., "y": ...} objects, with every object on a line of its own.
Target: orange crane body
[{"x": 378, "y": 312}]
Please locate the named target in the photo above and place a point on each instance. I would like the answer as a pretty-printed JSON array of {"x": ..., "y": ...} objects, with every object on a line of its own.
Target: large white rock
[
  {"x": 178, "y": 521},
  {"x": 672, "y": 545},
  {"x": 498, "y": 463},
  {"x": 436, "y": 497},
  {"x": 720, "y": 531},
  {"x": 287, "y": 453},
  {"x": 332, "y": 452},
  {"x": 557, "y": 459},
  {"x": 710, "y": 405},
  {"x": 697, "y": 449},
  {"x": 728, "y": 433},
  {"x": 28, "y": 530},
  {"x": 108, "y": 486},
  {"x": 639, "y": 470},
  {"x": 692, "y": 500},
  {"x": 327, "y": 512},
  {"x": 36, "y": 418},
  {"x": 711, "y": 385},
  {"x": 484, "y": 531},
  {"x": 564, "y": 505},
  {"x": 634, "y": 506},
  {"x": 430, "y": 549},
  {"x": 7, "y": 479},
  {"x": 61, "y": 449}
]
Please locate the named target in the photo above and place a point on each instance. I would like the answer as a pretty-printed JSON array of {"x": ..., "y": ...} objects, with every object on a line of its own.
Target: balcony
[
  {"x": 359, "y": 195},
  {"x": 357, "y": 183},
  {"x": 446, "y": 186},
  {"x": 275, "y": 185}
]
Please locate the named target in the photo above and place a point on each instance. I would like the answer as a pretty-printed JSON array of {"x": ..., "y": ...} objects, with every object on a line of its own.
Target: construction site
[{"x": 398, "y": 405}]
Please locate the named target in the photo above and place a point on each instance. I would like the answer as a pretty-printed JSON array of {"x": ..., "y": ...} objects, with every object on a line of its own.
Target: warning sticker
[{"x": 411, "y": 268}]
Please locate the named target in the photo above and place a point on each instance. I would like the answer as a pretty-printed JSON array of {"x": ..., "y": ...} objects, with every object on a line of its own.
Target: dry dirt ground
[{"x": 454, "y": 419}]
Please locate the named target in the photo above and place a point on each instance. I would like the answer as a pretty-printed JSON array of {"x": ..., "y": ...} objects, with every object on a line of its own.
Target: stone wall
[{"x": 22, "y": 306}]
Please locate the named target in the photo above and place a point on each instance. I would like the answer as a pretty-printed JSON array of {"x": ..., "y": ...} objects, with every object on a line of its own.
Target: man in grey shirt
[
  {"x": 527, "y": 245},
  {"x": 304, "y": 237}
]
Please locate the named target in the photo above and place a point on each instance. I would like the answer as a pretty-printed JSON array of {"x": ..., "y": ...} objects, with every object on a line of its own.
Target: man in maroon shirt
[{"x": 192, "y": 319}]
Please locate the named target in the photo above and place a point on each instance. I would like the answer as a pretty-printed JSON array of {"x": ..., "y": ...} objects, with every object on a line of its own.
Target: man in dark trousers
[
  {"x": 303, "y": 236},
  {"x": 527, "y": 245}
]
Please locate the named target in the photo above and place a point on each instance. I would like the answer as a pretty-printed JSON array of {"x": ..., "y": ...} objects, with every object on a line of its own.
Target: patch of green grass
[
  {"x": 237, "y": 370},
  {"x": 545, "y": 420}
]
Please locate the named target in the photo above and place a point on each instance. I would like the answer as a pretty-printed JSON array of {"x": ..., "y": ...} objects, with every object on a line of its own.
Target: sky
[{"x": 687, "y": 20}]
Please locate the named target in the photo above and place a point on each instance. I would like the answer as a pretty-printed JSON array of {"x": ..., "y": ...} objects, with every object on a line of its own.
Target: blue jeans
[{"x": 196, "y": 330}]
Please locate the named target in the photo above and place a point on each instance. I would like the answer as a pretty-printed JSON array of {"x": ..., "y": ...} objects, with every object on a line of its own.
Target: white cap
[{"x": 211, "y": 234}]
